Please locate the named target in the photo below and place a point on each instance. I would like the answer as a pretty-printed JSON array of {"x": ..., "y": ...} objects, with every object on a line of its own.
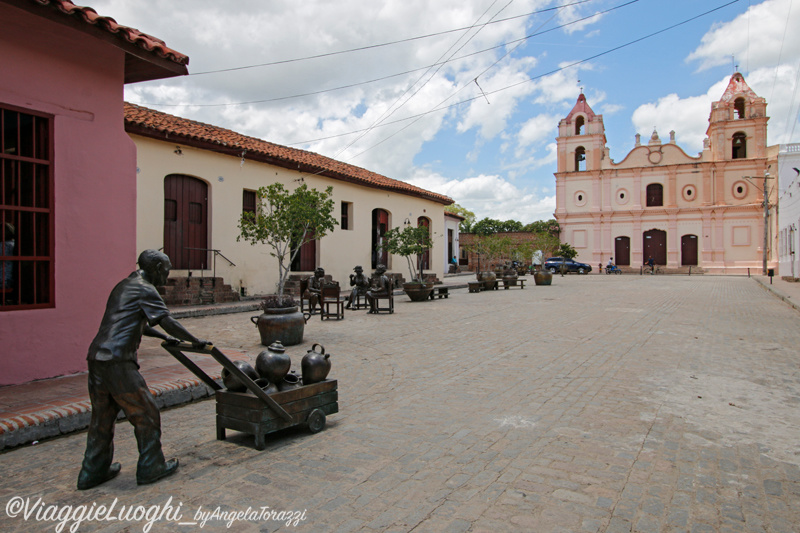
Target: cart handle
[{"x": 177, "y": 351}]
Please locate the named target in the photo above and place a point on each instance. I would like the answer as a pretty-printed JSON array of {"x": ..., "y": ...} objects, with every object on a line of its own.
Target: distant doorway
[
  {"x": 689, "y": 250},
  {"x": 425, "y": 259},
  {"x": 622, "y": 251},
  {"x": 380, "y": 225},
  {"x": 186, "y": 222},
  {"x": 655, "y": 245}
]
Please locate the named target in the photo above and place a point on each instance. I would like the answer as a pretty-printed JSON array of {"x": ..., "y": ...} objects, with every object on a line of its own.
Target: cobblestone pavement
[{"x": 601, "y": 403}]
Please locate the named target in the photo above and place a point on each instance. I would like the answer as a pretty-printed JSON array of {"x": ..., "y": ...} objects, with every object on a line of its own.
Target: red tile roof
[
  {"x": 150, "y": 123},
  {"x": 147, "y": 57}
]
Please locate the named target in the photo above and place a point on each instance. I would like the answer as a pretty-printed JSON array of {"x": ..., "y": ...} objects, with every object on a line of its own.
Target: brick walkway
[{"x": 602, "y": 403}]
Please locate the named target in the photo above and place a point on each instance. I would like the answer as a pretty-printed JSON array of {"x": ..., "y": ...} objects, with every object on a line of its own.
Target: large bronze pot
[
  {"x": 542, "y": 277},
  {"x": 281, "y": 324},
  {"x": 418, "y": 292},
  {"x": 488, "y": 279}
]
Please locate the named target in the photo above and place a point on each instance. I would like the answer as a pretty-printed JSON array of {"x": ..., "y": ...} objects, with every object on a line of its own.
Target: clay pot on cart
[
  {"x": 315, "y": 365},
  {"x": 273, "y": 363},
  {"x": 232, "y": 383},
  {"x": 281, "y": 324}
]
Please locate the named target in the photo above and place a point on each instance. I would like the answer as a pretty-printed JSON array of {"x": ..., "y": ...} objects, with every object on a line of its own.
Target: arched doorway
[
  {"x": 689, "y": 250},
  {"x": 425, "y": 262},
  {"x": 655, "y": 245},
  {"x": 186, "y": 222},
  {"x": 622, "y": 251},
  {"x": 380, "y": 225}
]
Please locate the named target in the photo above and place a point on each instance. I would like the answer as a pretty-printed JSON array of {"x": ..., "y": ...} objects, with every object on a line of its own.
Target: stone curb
[
  {"x": 23, "y": 429},
  {"x": 778, "y": 294}
]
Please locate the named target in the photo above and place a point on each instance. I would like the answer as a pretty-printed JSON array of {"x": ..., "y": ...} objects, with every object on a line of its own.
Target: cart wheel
[{"x": 316, "y": 421}]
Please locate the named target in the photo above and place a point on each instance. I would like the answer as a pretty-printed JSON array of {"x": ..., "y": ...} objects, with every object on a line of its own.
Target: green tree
[
  {"x": 490, "y": 226},
  {"x": 407, "y": 242},
  {"x": 469, "y": 217},
  {"x": 543, "y": 226},
  {"x": 286, "y": 221},
  {"x": 566, "y": 250},
  {"x": 489, "y": 249}
]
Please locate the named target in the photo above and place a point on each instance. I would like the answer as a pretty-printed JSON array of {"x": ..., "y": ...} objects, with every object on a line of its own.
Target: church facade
[{"x": 705, "y": 212}]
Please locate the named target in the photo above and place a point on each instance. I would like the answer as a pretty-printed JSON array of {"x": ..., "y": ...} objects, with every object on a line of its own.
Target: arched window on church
[
  {"x": 738, "y": 107},
  {"x": 580, "y": 159},
  {"x": 739, "y": 145},
  {"x": 655, "y": 195},
  {"x": 579, "y": 122}
]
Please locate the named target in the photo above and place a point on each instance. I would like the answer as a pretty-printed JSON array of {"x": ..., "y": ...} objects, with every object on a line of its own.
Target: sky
[{"x": 463, "y": 97}]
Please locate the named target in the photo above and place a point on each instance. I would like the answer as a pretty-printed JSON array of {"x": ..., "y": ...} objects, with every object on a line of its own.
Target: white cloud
[
  {"x": 534, "y": 131},
  {"x": 574, "y": 12},
  {"x": 688, "y": 117},
  {"x": 759, "y": 37},
  {"x": 490, "y": 196}
]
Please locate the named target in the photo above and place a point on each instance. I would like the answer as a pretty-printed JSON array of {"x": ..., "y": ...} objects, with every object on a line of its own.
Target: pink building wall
[{"x": 51, "y": 68}]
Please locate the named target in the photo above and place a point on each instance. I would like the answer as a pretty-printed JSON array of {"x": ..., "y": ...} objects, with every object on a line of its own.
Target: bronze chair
[
  {"x": 360, "y": 301},
  {"x": 330, "y": 295},
  {"x": 389, "y": 308}
]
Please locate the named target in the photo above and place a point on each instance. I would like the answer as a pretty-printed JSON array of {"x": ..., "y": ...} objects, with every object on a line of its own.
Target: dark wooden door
[
  {"x": 425, "y": 260},
  {"x": 186, "y": 222},
  {"x": 306, "y": 258},
  {"x": 689, "y": 250},
  {"x": 655, "y": 246},
  {"x": 380, "y": 225},
  {"x": 622, "y": 251}
]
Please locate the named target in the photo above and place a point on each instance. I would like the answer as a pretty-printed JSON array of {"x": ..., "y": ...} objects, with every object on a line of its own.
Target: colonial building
[
  {"x": 704, "y": 211},
  {"x": 195, "y": 180},
  {"x": 789, "y": 211},
  {"x": 67, "y": 177}
]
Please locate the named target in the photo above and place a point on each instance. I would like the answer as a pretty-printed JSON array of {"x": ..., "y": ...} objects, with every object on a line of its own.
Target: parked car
[{"x": 553, "y": 265}]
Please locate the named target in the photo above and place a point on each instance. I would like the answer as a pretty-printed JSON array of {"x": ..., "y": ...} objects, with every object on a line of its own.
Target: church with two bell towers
[{"x": 705, "y": 212}]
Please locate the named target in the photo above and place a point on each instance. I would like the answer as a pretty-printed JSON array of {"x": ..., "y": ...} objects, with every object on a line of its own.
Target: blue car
[{"x": 553, "y": 265}]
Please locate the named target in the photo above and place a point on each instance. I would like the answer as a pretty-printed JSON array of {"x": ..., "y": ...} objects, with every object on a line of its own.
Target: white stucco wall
[
  {"x": 789, "y": 210},
  {"x": 255, "y": 269}
]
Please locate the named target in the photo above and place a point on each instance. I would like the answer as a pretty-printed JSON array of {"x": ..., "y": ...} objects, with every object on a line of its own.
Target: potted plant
[
  {"x": 411, "y": 241},
  {"x": 489, "y": 248},
  {"x": 285, "y": 221},
  {"x": 566, "y": 251}
]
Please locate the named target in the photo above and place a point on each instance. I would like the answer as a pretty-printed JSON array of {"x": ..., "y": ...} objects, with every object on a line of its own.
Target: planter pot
[
  {"x": 510, "y": 281},
  {"x": 488, "y": 279},
  {"x": 418, "y": 292},
  {"x": 542, "y": 277},
  {"x": 284, "y": 324}
]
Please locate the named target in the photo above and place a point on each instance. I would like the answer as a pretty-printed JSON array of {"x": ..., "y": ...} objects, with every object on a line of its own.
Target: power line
[
  {"x": 384, "y": 116},
  {"x": 534, "y": 78},
  {"x": 518, "y": 42},
  {"x": 452, "y": 95},
  {"x": 390, "y": 43}
]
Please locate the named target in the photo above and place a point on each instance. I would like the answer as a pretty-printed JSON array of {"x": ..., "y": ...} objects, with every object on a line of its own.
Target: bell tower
[
  {"x": 737, "y": 126},
  {"x": 581, "y": 139}
]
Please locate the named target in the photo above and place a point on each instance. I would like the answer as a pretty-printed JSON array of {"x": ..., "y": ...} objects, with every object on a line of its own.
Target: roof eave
[
  {"x": 232, "y": 151},
  {"x": 140, "y": 64}
]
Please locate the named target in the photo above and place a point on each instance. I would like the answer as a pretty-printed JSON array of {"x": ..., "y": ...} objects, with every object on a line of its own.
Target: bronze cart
[{"x": 256, "y": 412}]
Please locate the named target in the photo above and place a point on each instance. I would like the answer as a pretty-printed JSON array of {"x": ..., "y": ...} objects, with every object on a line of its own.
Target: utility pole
[
  {"x": 765, "y": 193},
  {"x": 766, "y": 225}
]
